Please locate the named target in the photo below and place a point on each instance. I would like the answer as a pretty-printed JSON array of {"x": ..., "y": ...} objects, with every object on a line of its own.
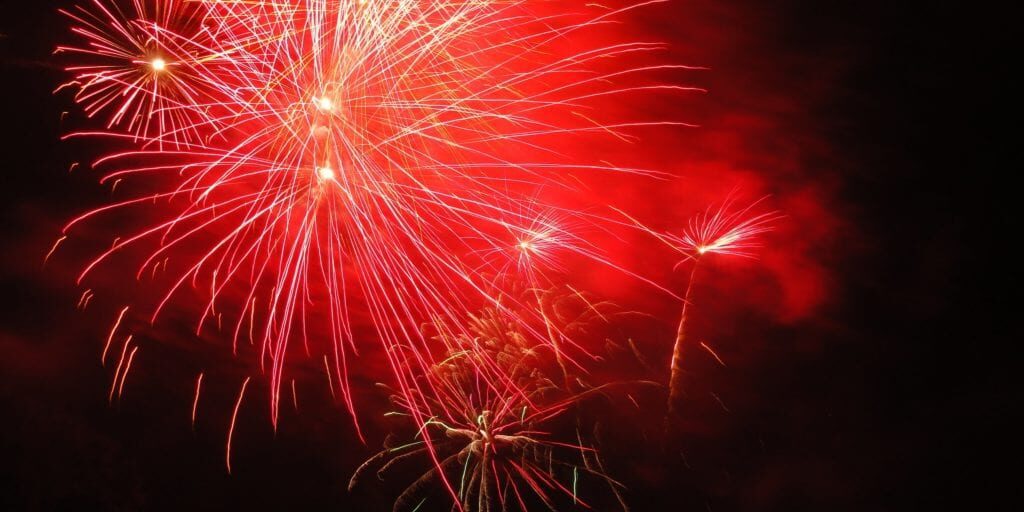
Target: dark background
[{"x": 893, "y": 396}]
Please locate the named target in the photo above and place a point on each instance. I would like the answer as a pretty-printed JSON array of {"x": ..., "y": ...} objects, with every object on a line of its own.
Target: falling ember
[
  {"x": 127, "y": 368},
  {"x": 712, "y": 352},
  {"x": 121, "y": 368},
  {"x": 234, "y": 420},
  {"x": 53, "y": 249},
  {"x": 195, "y": 401},
  {"x": 113, "y": 330}
]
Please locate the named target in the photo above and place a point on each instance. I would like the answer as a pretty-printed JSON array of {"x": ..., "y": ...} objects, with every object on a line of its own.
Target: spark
[
  {"x": 113, "y": 330},
  {"x": 330, "y": 382},
  {"x": 713, "y": 353},
  {"x": 124, "y": 374},
  {"x": 117, "y": 371},
  {"x": 325, "y": 104},
  {"x": 53, "y": 249},
  {"x": 720, "y": 402},
  {"x": 83, "y": 301},
  {"x": 231, "y": 427},
  {"x": 195, "y": 401}
]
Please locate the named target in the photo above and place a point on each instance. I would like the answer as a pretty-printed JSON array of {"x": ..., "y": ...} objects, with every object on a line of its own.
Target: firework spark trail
[
  {"x": 322, "y": 158},
  {"x": 195, "y": 400},
  {"x": 234, "y": 420}
]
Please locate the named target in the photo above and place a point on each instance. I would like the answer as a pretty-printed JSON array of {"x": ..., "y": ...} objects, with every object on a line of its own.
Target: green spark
[
  {"x": 575, "y": 480},
  {"x": 465, "y": 467}
]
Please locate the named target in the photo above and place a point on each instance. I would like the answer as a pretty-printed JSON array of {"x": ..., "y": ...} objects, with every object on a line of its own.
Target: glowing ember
[
  {"x": 325, "y": 104},
  {"x": 325, "y": 173}
]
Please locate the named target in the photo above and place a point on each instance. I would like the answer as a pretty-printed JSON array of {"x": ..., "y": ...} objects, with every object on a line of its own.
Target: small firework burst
[
  {"x": 144, "y": 64},
  {"x": 724, "y": 230},
  {"x": 490, "y": 404}
]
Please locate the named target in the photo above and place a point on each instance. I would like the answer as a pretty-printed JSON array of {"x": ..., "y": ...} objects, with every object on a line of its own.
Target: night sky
[{"x": 865, "y": 360}]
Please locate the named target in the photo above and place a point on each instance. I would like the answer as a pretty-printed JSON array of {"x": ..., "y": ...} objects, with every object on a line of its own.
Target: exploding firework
[
  {"x": 717, "y": 230},
  {"x": 144, "y": 64},
  {"x": 306, "y": 170},
  {"x": 720, "y": 230},
  {"x": 488, "y": 404},
  {"x": 723, "y": 230},
  {"x": 311, "y": 165}
]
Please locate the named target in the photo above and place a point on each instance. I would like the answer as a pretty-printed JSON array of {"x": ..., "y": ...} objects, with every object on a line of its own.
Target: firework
[
  {"x": 308, "y": 168},
  {"x": 311, "y": 162},
  {"x": 720, "y": 230},
  {"x": 724, "y": 230},
  {"x": 143, "y": 63},
  {"x": 487, "y": 406}
]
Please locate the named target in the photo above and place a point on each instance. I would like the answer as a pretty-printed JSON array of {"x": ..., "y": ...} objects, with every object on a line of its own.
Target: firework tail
[{"x": 675, "y": 383}]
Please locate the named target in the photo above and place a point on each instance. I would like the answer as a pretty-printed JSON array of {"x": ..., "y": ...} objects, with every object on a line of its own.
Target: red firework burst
[
  {"x": 306, "y": 166},
  {"x": 145, "y": 64}
]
